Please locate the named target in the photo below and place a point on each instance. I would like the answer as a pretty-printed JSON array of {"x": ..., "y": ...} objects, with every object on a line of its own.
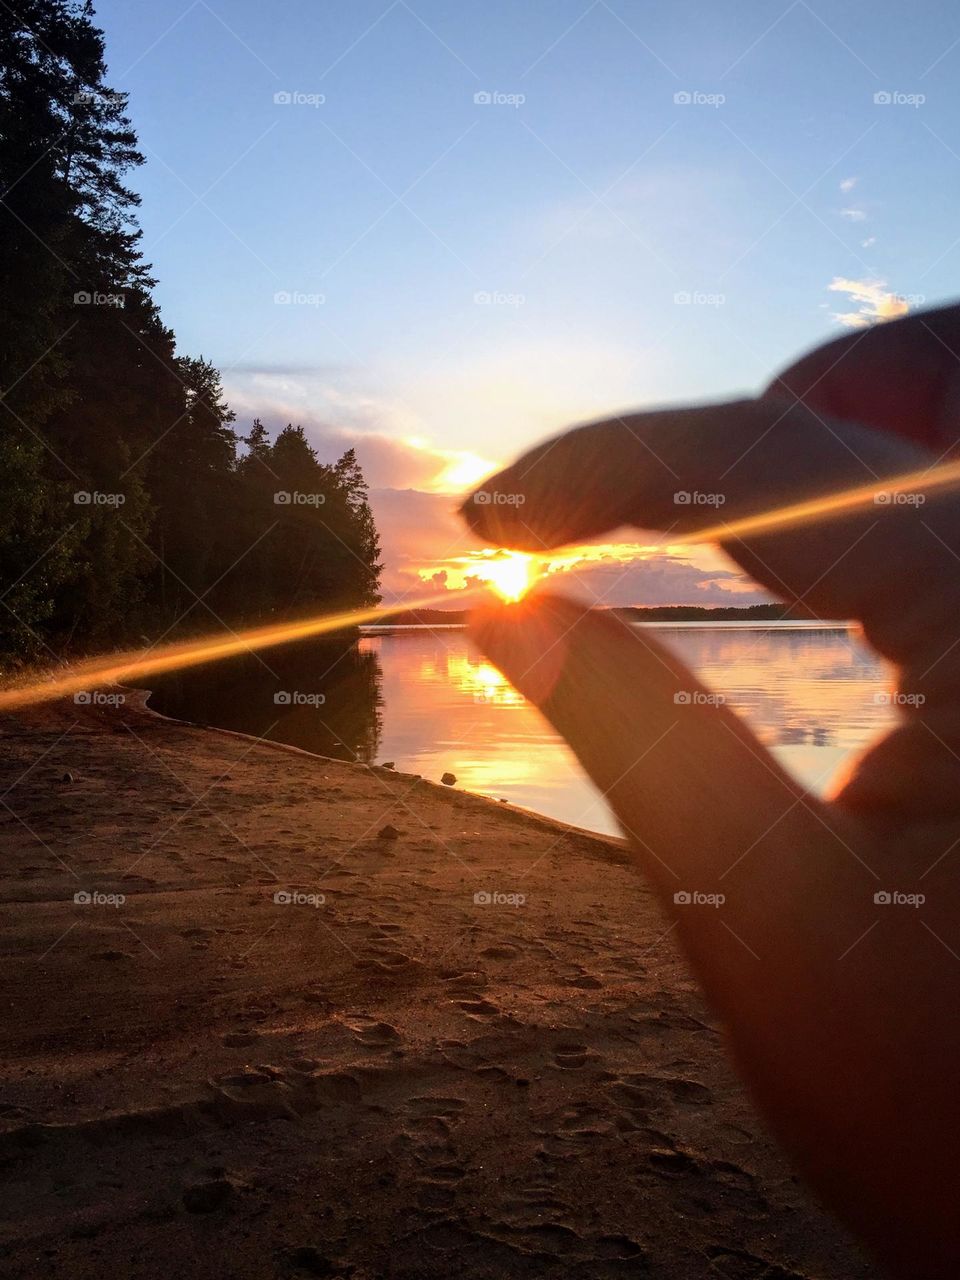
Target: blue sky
[{"x": 579, "y": 203}]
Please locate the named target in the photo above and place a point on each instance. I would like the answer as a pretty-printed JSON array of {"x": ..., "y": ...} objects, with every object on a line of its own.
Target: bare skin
[{"x": 841, "y": 1010}]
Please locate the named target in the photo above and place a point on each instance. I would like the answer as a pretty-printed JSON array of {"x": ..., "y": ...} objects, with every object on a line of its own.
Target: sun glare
[{"x": 510, "y": 575}]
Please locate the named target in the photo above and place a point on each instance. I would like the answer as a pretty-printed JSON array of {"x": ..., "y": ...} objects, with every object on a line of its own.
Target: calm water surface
[{"x": 427, "y": 700}]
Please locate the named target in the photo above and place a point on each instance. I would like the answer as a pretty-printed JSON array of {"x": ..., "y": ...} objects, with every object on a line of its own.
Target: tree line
[{"x": 129, "y": 504}]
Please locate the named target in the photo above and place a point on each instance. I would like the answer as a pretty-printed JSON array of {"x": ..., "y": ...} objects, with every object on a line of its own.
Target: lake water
[{"x": 427, "y": 700}]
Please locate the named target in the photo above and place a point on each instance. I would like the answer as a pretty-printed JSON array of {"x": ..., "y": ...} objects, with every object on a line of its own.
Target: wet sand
[{"x": 380, "y": 1076}]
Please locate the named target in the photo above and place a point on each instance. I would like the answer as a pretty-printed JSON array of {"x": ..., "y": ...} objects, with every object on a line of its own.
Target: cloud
[
  {"x": 853, "y": 215},
  {"x": 847, "y": 184},
  {"x": 659, "y": 578},
  {"x": 421, "y": 535},
  {"x": 868, "y": 243},
  {"x": 284, "y": 369},
  {"x": 414, "y": 484},
  {"x": 876, "y": 302},
  {"x": 390, "y": 452}
]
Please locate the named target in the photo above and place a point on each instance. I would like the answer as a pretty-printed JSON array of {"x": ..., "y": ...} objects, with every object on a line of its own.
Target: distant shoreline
[{"x": 661, "y": 615}]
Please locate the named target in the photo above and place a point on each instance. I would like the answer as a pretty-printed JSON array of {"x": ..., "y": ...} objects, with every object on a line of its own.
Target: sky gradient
[{"x": 441, "y": 231}]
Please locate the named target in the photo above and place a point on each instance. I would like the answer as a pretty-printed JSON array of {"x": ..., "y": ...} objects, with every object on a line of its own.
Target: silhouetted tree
[{"x": 123, "y": 501}]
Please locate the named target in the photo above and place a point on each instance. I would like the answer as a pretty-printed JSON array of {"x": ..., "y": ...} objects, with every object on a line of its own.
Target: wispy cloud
[
  {"x": 853, "y": 215},
  {"x": 848, "y": 184},
  {"x": 876, "y": 301}
]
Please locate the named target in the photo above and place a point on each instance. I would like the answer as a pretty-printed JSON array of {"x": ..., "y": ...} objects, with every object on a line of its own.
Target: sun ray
[{"x": 509, "y": 573}]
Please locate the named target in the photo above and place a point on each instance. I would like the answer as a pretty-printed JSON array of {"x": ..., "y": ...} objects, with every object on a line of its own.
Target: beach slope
[{"x": 267, "y": 1014}]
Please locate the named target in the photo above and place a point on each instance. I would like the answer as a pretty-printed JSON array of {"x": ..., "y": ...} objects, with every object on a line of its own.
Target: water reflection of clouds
[
  {"x": 808, "y": 694},
  {"x": 806, "y": 686}
]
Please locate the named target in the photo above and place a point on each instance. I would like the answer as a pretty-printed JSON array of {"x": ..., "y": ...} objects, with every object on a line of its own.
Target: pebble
[{"x": 204, "y": 1197}]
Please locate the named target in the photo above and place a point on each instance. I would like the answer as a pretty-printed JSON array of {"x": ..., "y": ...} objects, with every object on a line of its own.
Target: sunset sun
[{"x": 510, "y": 575}]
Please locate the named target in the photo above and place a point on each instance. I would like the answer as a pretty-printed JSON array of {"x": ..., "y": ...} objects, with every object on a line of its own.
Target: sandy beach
[{"x": 322, "y": 1019}]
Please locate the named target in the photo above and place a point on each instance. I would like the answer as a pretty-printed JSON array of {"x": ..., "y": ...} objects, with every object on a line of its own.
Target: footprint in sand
[
  {"x": 637, "y": 1091},
  {"x": 583, "y": 980},
  {"x": 569, "y": 1055},
  {"x": 505, "y": 952},
  {"x": 449, "y": 1173},
  {"x": 435, "y": 1197},
  {"x": 533, "y": 1204},
  {"x": 428, "y": 1105},
  {"x": 572, "y": 1130},
  {"x": 478, "y": 1010},
  {"x": 464, "y": 979},
  {"x": 673, "y": 1164},
  {"x": 372, "y": 1033},
  {"x": 724, "y": 1187},
  {"x": 386, "y": 962},
  {"x": 736, "y": 1264}
]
